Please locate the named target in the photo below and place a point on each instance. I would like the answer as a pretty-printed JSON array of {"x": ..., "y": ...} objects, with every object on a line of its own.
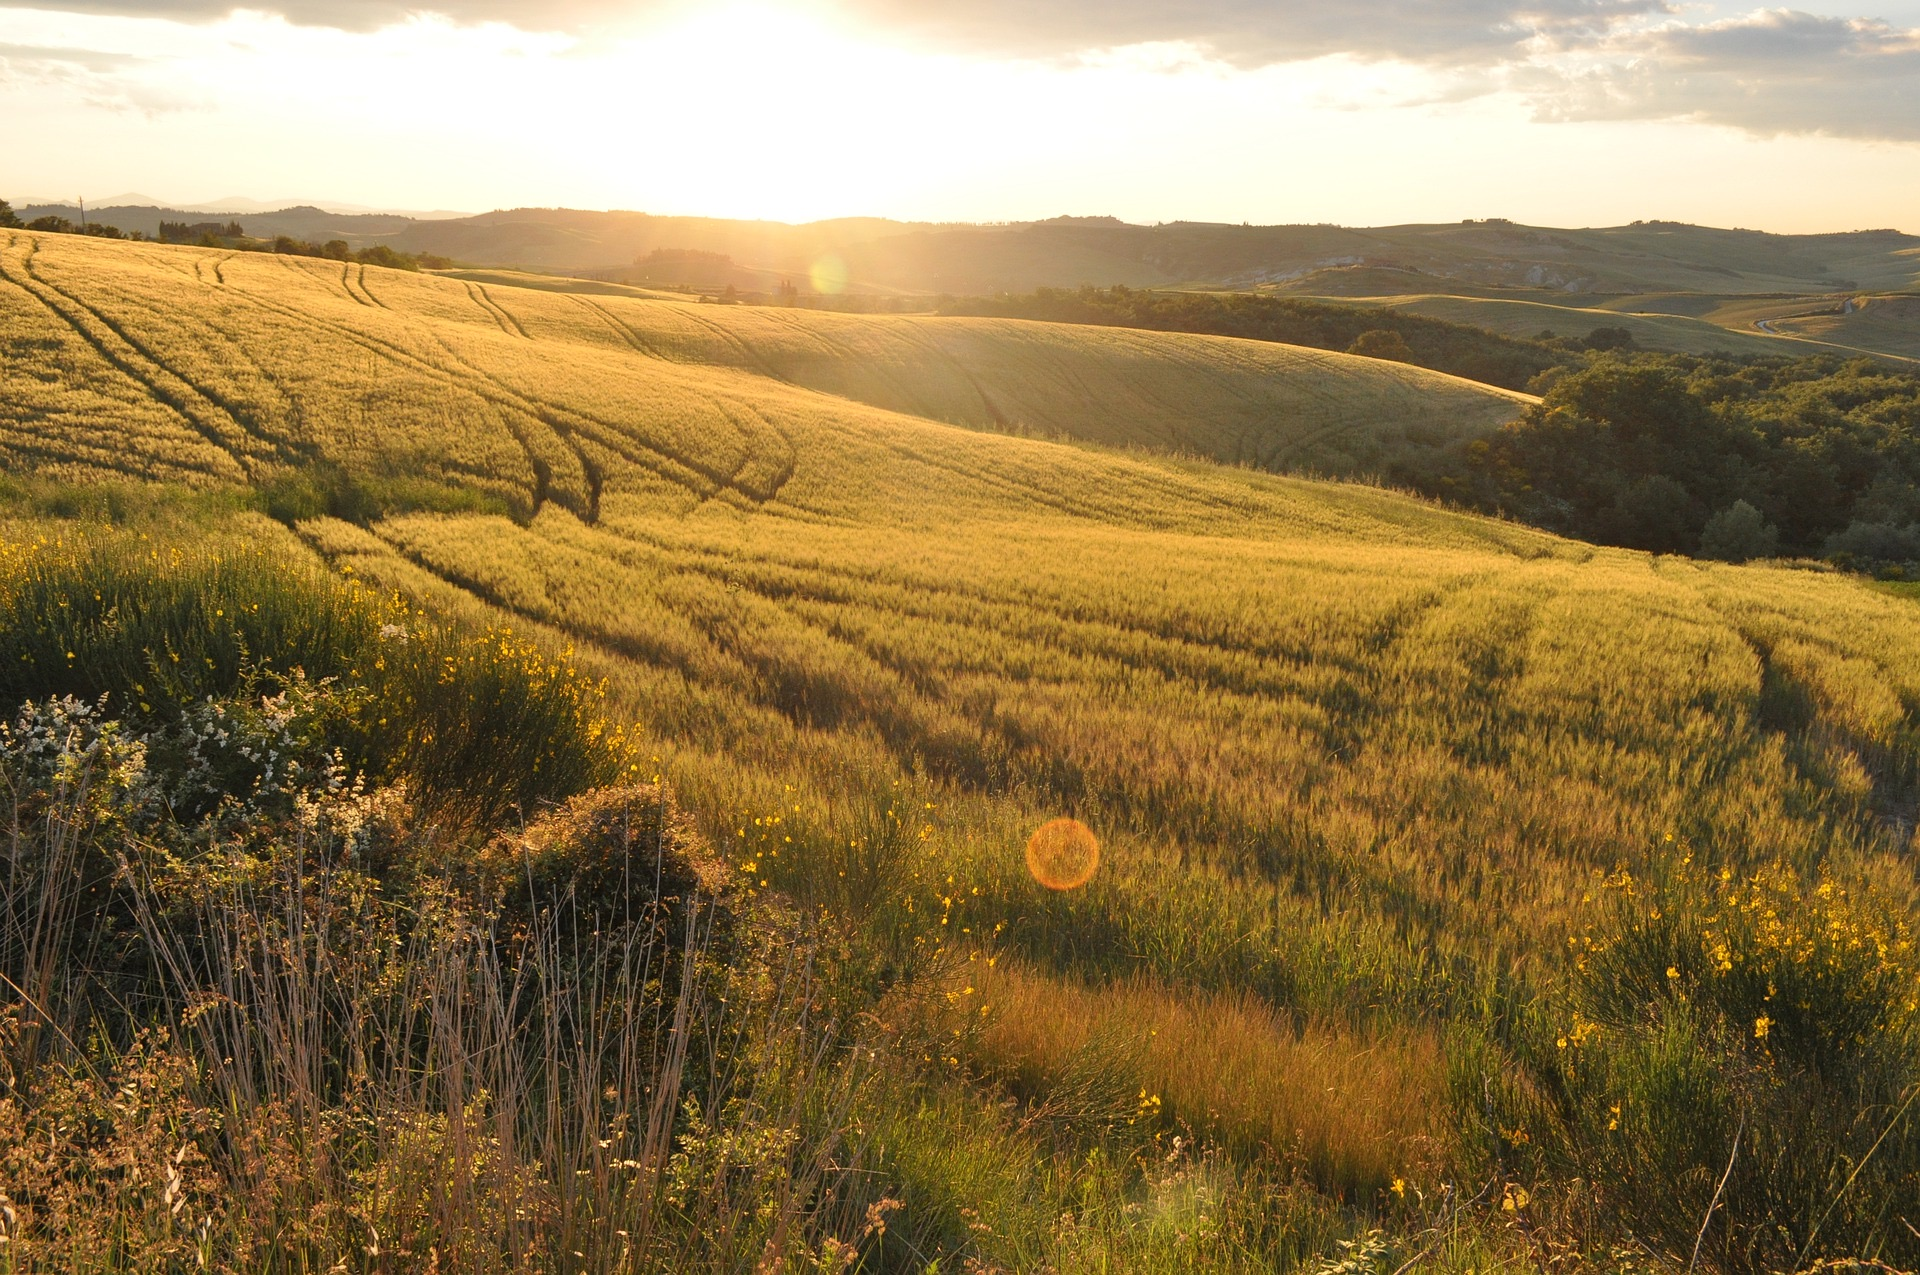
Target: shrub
[
  {"x": 1382, "y": 343},
  {"x": 611, "y": 855},
  {"x": 1875, "y": 542},
  {"x": 1739, "y": 533},
  {"x": 482, "y": 724},
  {"x": 1734, "y": 1062}
]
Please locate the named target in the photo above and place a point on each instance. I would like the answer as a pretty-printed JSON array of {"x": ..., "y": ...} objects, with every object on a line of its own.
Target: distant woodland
[
  {"x": 1720, "y": 457},
  {"x": 1731, "y": 457},
  {"x": 229, "y": 235}
]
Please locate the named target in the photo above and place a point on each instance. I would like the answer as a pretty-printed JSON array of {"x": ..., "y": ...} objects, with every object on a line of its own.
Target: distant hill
[
  {"x": 1487, "y": 258},
  {"x": 300, "y": 222},
  {"x": 1067, "y": 252}
]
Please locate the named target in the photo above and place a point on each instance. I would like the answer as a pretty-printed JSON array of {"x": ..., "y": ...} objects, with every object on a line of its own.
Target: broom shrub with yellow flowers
[{"x": 1730, "y": 1067}]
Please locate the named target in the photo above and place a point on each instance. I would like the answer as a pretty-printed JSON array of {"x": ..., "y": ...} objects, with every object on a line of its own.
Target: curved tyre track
[
  {"x": 167, "y": 387},
  {"x": 567, "y": 424}
]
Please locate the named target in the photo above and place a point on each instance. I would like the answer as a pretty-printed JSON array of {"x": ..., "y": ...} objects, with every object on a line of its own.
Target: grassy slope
[
  {"x": 1351, "y": 753},
  {"x": 1065, "y": 253},
  {"x": 1680, "y": 334},
  {"x": 1887, "y": 324},
  {"x": 259, "y": 361}
]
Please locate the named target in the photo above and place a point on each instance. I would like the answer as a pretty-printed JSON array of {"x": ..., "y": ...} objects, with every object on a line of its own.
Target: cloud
[
  {"x": 1773, "y": 72},
  {"x": 1770, "y": 72},
  {"x": 112, "y": 81},
  {"x": 1239, "y": 32},
  {"x": 1249, "y": 33},
  {"x": 37, "y": 59},
  {"x": 363, "y": 15}
]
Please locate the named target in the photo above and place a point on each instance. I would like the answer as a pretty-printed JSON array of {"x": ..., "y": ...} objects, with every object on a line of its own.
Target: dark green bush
[{"x": 482, "y": 723}]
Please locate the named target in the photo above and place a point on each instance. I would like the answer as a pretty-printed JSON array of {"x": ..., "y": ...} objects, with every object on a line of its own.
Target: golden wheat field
[
  {"x": 1358, "y": 765},
  {"x": 191, "y": 363}
]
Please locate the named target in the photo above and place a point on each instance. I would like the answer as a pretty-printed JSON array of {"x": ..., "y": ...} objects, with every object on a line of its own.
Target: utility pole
[{"x": 83, "y": 212}]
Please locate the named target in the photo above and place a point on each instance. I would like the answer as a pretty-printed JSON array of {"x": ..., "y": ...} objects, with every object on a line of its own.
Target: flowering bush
[
  {"x": 1734, "y": 1063},
  {"x": 253, "y": 674}
]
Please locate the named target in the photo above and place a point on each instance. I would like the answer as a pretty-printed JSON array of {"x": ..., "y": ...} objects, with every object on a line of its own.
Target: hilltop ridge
[{"x": 881, "y": 255}]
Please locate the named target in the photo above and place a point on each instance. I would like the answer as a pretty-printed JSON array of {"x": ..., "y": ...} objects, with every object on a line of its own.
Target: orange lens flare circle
[{"x": 1062, "y": 854}]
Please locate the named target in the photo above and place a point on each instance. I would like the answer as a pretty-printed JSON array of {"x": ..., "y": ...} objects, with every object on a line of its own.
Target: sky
[{"x": 1360, "y": 112}]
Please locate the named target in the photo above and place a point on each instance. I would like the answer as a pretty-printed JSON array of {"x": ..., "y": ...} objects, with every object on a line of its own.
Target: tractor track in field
[
  {"x": 693, "y": 476},
  {"x": 413, "y": 363},
  {"x": 610, "y": 437},
  {"x": 939, "y": 351},
  {"x": 1173, "y": 658},
  {"x": 621, "y": 328},
  {"x": 570, "y": 425},
  {"x": 852, "y": 358},
  {"x": 1024, "y": 491},
  {"x": 127, "y": 357},
  {"x": 360, "y": 279},
  {"x": 358, "y": 297},
  {"x": 246, "y": 421},
  {"x": 753, "y": 356},
  {"x": 494, "y": 310}
]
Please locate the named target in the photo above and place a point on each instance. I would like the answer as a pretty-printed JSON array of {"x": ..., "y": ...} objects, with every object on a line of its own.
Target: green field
[
  {"x": 1883, "y": 324},
  {"x": 1363, "y": 768},
  {"x": 1673, "y": 333}
]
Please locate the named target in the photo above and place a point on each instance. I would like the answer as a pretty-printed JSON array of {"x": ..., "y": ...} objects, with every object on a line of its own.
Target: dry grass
[{"x": 1359, "y": 1111}]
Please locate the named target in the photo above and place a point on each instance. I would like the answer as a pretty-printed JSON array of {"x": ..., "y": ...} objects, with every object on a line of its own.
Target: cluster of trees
[
  {"x": 1457, "y": 348},
  {"x": 230, "y": 235},
  {"x": 1715, "y": 456},
  {"x": 198, "y": 231},
  {"x": 338, "y": 250},
  {"x": 9, "y": 220}
]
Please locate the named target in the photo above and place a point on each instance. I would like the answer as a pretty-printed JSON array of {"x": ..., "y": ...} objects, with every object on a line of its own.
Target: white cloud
[{"x": 1772, "y": 72}]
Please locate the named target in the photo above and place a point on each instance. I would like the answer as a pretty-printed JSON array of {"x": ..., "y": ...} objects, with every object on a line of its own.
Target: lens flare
[
  {"x": 1062, "y": 854},
  {"x": 829, "y": 276}
]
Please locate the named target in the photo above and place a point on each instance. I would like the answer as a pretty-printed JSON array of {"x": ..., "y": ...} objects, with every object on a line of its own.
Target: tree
[
  {"x": 1739, "y": 533},
  {"x": 1653, "y": 513},
  {"x": 1382, "y": 343},
  {"x": 8, "y": 221},
  {"x": 1609, "y": 339},
  {"x": 382, "y": 255},
  {"x": 55, "y": 224},
  {"x": 1870, "y": 542}
]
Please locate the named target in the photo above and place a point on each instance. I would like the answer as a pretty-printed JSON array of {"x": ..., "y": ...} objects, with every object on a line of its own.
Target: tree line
[
  {"x": 1720, "y": 456},
  {"x": 1717, "y": 456},
  {"x": 233, "y": 237}
]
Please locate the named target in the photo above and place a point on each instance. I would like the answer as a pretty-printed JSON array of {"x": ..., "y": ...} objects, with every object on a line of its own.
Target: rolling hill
[
  {"x": 1882, "y": 324},
  {"x": 230, "y": 366},
  {"x": 1493, "y": 257},
  {"x": 1362, "y": 766},
  {"x": 1674, "y": 333}
]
